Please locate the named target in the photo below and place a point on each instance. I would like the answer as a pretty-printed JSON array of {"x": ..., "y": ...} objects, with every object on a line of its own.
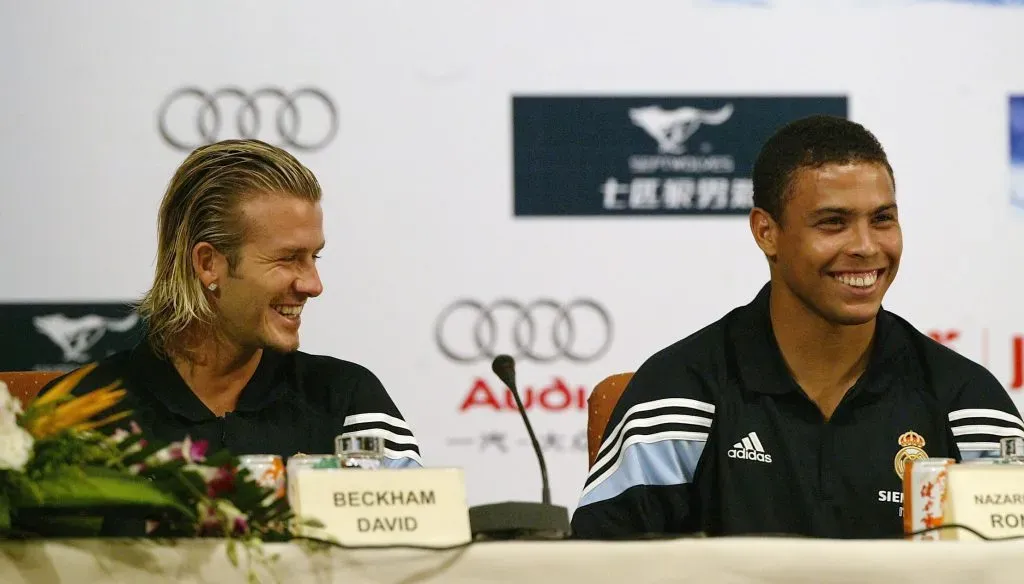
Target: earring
[{"x": 212, "y": 286}]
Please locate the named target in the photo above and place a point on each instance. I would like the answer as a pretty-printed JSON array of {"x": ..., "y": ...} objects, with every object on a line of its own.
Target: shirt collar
[
  {"x": 760, "y": 363},
  {"x": 158, "y": 377}
]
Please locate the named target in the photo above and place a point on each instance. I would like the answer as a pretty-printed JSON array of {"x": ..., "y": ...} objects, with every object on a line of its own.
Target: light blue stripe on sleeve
[
  {"x": 403, "y": 462},
  {"x": 658, "y": 462},
  {"x": 401, "y": 459}
]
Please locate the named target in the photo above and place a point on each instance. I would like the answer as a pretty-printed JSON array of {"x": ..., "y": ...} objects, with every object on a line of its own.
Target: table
[{"x": 726, "y": 560}]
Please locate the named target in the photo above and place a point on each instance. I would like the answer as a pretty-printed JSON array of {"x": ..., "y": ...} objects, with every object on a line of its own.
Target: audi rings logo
[
  {"x": 543, "y": 330},
  {"x": 305, "y": 119}
]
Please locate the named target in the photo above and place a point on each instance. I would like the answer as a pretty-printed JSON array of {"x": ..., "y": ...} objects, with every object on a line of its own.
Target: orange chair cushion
[
  {"x": 600, "y": 405},
  {"x": 25, "y": 385}
]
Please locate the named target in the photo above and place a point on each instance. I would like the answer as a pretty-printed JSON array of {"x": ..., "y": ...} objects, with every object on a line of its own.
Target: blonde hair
[{"x": 202, "y": 203}]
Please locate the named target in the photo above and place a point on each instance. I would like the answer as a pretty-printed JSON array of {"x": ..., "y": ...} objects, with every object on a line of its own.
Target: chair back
[
  {"x": 25, "y": 385},
  {"x": 600, "y": 404}
]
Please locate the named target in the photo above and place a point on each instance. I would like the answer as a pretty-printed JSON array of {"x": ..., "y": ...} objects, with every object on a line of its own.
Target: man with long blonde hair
[{"x": 240, "y": 230}]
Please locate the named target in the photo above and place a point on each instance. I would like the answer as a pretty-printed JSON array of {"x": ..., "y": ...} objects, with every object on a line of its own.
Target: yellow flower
[
  {"x": 64, "y": 387},
  {"x": 53, "y": 412}
]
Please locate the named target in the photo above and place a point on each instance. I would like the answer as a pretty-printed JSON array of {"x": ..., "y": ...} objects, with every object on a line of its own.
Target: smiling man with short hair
[{"x": 797, "y": 413}]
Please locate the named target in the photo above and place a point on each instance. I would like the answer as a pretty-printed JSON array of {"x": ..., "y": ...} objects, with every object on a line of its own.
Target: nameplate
[
  {"x": 425, "y": 506},
  {"x": 988, "y": 498}
]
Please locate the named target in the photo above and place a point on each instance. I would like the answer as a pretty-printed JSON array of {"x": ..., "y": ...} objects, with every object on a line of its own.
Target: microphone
[
  {"x": 515, "y": 519},
  {"x": 504, "y": 367}
]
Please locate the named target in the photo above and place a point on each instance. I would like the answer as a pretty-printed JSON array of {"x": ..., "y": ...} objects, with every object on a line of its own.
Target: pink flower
[
  {"x": 192, "y": 451},
  {"x": 172, "y": 452},
  {"x": 197, "y": 450},
  {"x": 120, "y": 435},
  {"x": 209, "y": 523},
  {"x": 137, "y": 430},
  {"x": 187, "y": 450},
  {"x": 222, "y": 482},
  {"x": 217, "y": 516}
]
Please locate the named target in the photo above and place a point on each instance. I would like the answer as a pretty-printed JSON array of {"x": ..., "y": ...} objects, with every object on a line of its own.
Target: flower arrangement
[{"x": 60, "y": 475}]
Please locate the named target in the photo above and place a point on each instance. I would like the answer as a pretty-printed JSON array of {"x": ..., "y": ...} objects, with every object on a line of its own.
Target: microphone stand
[{"x": 520, "y": 519}]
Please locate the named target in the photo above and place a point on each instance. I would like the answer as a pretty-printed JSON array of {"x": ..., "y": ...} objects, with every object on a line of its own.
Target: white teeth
[
  {"x": 858, "y": 280},
  {"x": 289, "y": 310}
]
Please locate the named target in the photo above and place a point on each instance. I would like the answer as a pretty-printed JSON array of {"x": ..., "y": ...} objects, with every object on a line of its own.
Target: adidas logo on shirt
[{"x": 750, "y": 448}]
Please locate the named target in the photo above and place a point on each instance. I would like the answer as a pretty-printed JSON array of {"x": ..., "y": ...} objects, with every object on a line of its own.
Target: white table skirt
[{"x": 729, "y": 560}]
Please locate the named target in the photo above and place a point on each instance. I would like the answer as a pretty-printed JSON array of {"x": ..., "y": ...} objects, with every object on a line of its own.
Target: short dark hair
[{"x": 810, "y": 142}]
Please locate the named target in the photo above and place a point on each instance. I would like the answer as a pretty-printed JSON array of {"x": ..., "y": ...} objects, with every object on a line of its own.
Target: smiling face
[
  {"x": 837, "y": 248},
  {"x": 260, "y": 302}
]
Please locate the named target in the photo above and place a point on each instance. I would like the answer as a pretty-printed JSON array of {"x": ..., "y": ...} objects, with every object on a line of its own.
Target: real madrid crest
[{"x": 912, "y": 449}]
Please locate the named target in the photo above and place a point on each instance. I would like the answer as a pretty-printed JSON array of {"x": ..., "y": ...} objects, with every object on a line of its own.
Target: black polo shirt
[
  {"x": 713, "y": 435},
  {"x": 294, "y": 402}
]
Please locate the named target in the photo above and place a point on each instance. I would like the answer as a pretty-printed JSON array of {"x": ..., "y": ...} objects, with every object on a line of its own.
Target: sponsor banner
[
  {"x": 1016, "y": 123},
  {"x": 542, "y": 330},
  {"x": 658, "y": 155},
  {"x": 999, "y": 350},
  {"x": 62, "y": 337},
  {"x": 515, "y": 442},
  {"x": 979, "y": 2},
  {"x": 558, "y": 344},
  {"x": 302, "y": 119}
]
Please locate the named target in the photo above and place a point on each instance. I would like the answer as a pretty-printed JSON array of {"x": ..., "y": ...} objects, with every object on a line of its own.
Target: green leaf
[
  {"x": 5, "y": 512},
  {"x": 221, "y": 458},
  {"x": 102, "y": 487},
  {"x": 233, "y": 552},
  {"x": 56, "y": 525}
]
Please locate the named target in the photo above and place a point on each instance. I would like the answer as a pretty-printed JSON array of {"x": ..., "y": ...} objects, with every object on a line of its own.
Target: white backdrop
[{"x": 418, "y": 190}]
